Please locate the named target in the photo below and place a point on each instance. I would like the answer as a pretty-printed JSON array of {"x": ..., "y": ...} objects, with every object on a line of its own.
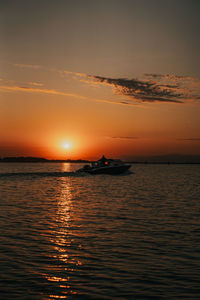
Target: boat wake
[{"x": 43, "y": 174}]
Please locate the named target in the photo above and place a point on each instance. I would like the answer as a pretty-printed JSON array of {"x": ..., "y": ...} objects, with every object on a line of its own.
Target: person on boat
[{"x": 102, "y": 161}]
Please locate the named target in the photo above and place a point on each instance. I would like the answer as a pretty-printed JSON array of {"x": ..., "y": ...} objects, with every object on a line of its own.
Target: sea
[{"x": 66, "y": 235}]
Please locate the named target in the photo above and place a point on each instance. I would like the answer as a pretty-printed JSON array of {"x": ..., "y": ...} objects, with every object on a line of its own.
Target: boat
[{"x": 106, "y": 166}]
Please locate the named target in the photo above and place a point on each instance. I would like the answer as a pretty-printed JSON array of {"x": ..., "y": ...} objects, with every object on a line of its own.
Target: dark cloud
[
  {"x": 170, "y": 86},
  {"x": 155, "y": 76},
  {"x": 168, "y": 76},
  {"x": 155, "y": 88},
  {"x": 124, "y": 102},
  {"x": 146, "y": 91}
]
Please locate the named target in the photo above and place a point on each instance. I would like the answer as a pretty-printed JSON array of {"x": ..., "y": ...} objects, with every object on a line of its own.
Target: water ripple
[{"x": 100, "y": 237}]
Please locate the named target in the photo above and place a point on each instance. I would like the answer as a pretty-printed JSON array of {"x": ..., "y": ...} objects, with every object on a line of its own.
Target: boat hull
[{"x": 114, "y": 170}]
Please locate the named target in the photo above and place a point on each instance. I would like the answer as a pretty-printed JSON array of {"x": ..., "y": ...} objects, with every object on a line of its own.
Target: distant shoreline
[
  {"x": 40, "y": 160},
  {"x": 141, "y": 161}
]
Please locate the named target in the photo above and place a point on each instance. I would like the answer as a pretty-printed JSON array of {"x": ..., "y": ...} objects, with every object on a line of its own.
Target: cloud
[
  {"x": 145, "y": 91},
  {"x": 151, "y": 88},
  {"x": 172, "y": 77},
  {"x": 75, "y": 75},
  {"x": 38, "y": 90},
  {"x": 190, "y": 139},
  {"x": 36, "y": 83},
  {"x": 26, "y": 89},
  {"x": 28, "y": 66},
  {"x": 125, "y": 137},
  {"x": 158, "y": 88}
]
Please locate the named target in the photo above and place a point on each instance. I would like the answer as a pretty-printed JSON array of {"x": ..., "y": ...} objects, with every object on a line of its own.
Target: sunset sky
[{"x": 82, "y": 78}]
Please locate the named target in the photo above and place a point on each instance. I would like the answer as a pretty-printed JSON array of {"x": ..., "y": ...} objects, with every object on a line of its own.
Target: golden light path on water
[
  {"x": 132, "y": 236},
  {"x": 62, "y": 242}
]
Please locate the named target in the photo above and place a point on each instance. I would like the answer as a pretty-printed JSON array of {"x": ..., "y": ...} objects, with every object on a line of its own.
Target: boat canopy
[{"x": 103, "y": 159}]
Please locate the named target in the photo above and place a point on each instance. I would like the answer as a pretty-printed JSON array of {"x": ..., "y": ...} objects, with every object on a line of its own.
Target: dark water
[{"x": 67, "y": 236}]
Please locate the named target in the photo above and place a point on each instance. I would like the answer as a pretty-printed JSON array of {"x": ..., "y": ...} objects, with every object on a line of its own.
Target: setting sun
[{"x": 66, "y": 145}]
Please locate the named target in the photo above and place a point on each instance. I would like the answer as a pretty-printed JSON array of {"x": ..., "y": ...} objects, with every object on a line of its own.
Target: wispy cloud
[
  {"x": 26, "y": 89},
  {"x": 63, "y": 73},
  {"x": 36, "y": 83},
  {"x": 125, "y": 137},
  {"x": 197, "y": 139},
  {"x": 38, "y": 90},
  {"x": 73, "y": 74},
  {"x": 28, "y": 66}
]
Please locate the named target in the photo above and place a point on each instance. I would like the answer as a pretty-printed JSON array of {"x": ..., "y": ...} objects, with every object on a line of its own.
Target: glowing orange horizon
[{"x": 93, "y": 149}]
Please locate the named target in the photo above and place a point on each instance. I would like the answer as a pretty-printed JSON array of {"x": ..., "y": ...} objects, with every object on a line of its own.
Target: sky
[{"x": 82, "y": 78}]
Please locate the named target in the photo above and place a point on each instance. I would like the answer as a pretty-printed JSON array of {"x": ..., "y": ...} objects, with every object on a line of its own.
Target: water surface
[{"x": 133, "y": 236}]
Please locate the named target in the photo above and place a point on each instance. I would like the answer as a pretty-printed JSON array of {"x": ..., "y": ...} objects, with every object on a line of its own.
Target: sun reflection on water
[{"x": 64, "y": 249}]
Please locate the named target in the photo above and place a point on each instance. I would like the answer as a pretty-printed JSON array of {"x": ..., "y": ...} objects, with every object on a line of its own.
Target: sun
[{"x": 66, "y": 145}]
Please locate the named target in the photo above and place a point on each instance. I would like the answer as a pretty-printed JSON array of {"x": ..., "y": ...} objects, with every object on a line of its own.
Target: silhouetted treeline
[
  {"x": 39, "y": 159},
  {"x": 165, "y": 159},
  {"x": 23, "y": 159},
  {"x": 165, "y": 162}
]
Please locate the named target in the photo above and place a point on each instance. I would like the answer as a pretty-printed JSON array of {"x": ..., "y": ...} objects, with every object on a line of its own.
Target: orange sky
[{"x": 123, "y": 87}]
